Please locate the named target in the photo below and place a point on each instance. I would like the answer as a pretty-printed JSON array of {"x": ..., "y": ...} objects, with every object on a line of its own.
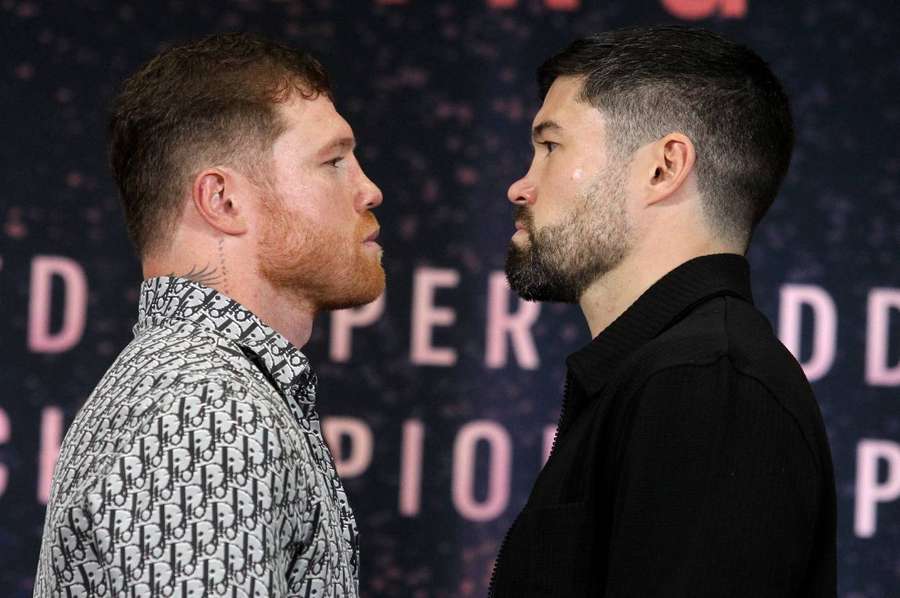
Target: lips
[
  {"x": 372, "y": 237},
  {"x": 523, "y": 219}
]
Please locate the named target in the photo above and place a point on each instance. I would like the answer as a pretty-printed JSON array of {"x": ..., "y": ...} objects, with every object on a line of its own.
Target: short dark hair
[
  {"x": 651, "y": 81},
  {"x": 210, "y": 101}
]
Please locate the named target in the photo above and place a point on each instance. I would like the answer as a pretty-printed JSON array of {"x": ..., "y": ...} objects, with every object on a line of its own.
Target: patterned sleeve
[{"x": 196, "y": 502}]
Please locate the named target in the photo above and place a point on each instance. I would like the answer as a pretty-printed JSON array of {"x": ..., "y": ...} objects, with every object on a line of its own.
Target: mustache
[
  {"x": 368, "y": 224},
  {"x": 522, "y": 215}
]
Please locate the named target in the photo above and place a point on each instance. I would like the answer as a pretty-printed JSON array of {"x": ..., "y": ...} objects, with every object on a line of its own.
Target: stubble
[{"x": 560, "y": 261}]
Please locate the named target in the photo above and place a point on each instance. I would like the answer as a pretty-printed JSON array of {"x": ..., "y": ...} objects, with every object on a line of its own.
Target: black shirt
[{"x": 690, "y": 460}]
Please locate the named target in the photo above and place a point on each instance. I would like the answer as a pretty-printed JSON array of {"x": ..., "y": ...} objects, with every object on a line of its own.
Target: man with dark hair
[
  {"x": 197, "y": 466},
  {"x": 690, "y": 458}
]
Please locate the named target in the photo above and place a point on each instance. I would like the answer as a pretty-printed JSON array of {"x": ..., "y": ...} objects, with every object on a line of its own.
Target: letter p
[{"x": 869, "y": 492}]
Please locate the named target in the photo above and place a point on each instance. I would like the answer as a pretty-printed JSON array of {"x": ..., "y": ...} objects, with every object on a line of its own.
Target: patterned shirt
[{"x": 197, "y": 466}]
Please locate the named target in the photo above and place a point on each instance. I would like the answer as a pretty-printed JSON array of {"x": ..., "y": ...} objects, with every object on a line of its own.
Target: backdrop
[{"x": 439, "y": 399}]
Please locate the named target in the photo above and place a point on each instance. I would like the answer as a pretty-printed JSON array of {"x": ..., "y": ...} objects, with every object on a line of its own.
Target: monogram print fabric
[{"x": 197, "y": 466}]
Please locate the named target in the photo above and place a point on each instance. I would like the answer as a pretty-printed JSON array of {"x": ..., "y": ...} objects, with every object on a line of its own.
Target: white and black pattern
[{"x": 197, "y": 466}]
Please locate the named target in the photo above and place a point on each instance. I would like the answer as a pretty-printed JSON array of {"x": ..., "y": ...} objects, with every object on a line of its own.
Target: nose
[
  {"x": 370, "y": 196},
  {"x": 522, "y": 192}
]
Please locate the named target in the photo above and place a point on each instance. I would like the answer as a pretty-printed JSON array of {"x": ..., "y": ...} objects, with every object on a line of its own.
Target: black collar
[{"x": 663, "y": 304}]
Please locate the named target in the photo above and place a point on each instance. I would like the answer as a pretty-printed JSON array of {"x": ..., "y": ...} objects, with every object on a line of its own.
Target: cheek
[
  {"x": 553, "y": 196},
  {"x": 548, "y": 210},
  {"x": 320, "y": 203}
]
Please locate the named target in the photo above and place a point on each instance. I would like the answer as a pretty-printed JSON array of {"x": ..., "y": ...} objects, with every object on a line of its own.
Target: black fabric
[{"x": 690, "y": 461}]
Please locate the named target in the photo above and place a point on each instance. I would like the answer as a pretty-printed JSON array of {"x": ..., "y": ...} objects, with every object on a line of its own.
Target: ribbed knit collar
[{"x": 663, "y": 304}]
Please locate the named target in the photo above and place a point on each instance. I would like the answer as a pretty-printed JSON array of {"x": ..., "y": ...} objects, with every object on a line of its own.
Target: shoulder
[
  {"x": 186, "y": 347},
  {"x": 179, "y": 359},
  {"x": 726, "y": 334},
  {"x": 724, "y": 361},
  {"x": 175, "y": 387}
]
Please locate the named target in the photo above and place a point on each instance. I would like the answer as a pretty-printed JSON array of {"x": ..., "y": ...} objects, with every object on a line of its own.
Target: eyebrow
[
  {"x": 341, "y": 143},
  {"x": 547, "y": 125}
]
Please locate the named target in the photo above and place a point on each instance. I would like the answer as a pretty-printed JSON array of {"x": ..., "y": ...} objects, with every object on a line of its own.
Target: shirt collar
[
  {"x": 168, "y": 297},
  {"x": 663, "y": 304}
]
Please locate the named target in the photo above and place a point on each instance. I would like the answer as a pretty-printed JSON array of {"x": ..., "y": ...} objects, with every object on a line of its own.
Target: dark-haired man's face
[
  {"x": 571, "y": 211},
  {"x": 317, "y": 233}
]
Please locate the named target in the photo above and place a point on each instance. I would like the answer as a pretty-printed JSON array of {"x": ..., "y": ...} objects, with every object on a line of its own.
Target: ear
[
  {"x": 669, "y": 163},
  {"x": 214, "y": 195}
]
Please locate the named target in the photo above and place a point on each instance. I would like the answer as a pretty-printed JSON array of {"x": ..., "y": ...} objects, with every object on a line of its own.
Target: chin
[
  {"x": 362, "y": 287},
  {"x": 520, "y": 243},
  {"x": 372, "y": 288}
]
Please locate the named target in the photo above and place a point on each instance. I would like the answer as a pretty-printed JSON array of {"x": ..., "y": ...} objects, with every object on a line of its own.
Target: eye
[
  {"x": 550, "y": 145},
  {"x": 333, "y": 163}
]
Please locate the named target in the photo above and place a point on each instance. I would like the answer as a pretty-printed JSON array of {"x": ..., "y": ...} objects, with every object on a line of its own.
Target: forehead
[
  {"x": 563, "y": 106},
  {"x": 314, "y": 120}
]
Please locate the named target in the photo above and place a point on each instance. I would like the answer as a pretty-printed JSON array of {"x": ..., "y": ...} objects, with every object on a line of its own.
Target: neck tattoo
[
  {"x": 207, "y": 275},
  {"x": 222, "y": 265}
]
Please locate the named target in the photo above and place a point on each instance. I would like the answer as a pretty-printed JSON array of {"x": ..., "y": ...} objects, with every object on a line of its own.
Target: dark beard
[
  {"x": 563, "y": 260},
  {"x": 533, "y": 273},
  {"x": 534, "y": 279}
]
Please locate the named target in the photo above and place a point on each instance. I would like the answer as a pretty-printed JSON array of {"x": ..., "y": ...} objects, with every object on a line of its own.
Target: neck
[
  {"x": 609, "y": 296},
  {"x": 290, "y": 316}
]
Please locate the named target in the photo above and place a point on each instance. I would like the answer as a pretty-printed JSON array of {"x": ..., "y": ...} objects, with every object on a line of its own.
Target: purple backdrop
[{"x": 438, "y": 401}]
